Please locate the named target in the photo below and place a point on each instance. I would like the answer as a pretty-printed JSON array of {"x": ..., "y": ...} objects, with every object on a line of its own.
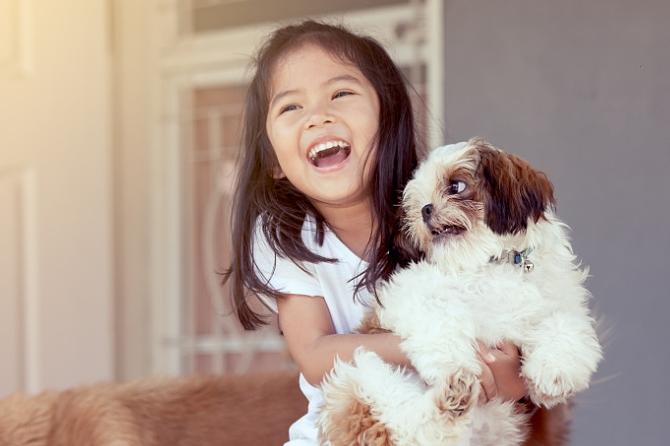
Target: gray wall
[{"x": 582, "y": 90}]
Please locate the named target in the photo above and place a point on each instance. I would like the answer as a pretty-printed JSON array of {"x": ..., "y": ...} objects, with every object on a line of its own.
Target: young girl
[{"x": 329, "y": 145}]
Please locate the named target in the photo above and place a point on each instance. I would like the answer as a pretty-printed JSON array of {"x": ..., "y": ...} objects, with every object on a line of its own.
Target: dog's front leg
[
  {"x": 560, "y": 355},
  {"x": 438, "y": 337},
  {"x": 436, "y": 327},
  {"x": 444, "y": 355},
  {"x": 446, "y": 360}
]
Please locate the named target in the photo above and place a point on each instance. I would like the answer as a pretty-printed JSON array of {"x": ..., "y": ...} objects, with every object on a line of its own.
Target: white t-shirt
[{"x": 332, "y": 282}]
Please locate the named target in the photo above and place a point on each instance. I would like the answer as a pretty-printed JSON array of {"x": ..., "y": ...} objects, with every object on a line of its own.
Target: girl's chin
[{"x": 337, "y": 197}]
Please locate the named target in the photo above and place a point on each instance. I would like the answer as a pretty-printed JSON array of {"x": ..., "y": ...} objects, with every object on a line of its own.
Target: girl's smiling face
[{"x": 322, "y": 122}]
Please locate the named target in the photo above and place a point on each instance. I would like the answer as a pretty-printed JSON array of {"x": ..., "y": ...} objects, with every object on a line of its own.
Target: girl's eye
[
  {"x": 342, "y": 93},
  {"x": 288, "y": 108},
  {"x": 456, "y": 187}
]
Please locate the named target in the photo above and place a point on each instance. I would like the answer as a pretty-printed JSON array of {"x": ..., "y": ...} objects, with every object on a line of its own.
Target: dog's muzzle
[{"x": 438, "y": 230}]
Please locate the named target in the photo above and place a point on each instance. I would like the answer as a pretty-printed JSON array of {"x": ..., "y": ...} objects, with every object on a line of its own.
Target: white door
[{"x": 56, "y": 315}]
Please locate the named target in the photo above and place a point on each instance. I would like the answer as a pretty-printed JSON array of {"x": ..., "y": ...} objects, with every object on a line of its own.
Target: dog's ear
[{"x": 515, "y": 191}]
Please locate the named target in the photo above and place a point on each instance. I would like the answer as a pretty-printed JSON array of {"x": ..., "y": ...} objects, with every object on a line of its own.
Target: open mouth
[
  {"x": 446, "y": 231},
  {"x": 330, "y": 154}
]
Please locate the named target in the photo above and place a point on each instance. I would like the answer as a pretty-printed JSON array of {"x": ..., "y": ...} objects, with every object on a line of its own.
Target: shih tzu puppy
[{"x": 498, "y": 266}]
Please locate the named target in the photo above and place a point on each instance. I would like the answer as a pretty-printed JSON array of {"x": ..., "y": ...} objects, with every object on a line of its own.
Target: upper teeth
[{"x": 325, "y": 146}]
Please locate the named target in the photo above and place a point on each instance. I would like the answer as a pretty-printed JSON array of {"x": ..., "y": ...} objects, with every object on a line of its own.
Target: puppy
[
  {"x": 498, "y": 266},
  {"x": 194, "y": 411}
]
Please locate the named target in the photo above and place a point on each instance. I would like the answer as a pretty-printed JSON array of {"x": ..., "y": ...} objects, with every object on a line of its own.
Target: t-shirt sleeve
[{"x": 281, "y": 273}]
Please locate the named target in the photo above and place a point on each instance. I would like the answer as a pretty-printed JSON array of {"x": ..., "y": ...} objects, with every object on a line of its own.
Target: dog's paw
[
  {"x": 457, "y": 395},
  {"x": 550, "y": 394},
  {"x": 437, "y": 366},
  {"x": 551, "y": 382}
]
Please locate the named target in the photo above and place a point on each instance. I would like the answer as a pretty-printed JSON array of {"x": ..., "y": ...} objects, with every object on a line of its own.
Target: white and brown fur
[
  {"x": 195, "y": 411},
  {"x": 440, "y": 306}
]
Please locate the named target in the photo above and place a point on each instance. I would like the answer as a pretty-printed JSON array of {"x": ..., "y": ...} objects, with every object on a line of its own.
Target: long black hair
[{"x": 281, "y": 208}]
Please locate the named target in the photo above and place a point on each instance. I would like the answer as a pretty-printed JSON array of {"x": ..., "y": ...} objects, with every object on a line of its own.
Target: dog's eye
[{"x": 456, "y": 187}]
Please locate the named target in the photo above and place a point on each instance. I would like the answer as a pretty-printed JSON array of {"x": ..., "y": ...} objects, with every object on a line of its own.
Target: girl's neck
[{"x": 353, "y": 224}]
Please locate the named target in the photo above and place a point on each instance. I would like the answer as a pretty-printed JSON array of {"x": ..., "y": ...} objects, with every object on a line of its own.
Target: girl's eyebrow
[{"x": 342, "y": 77}]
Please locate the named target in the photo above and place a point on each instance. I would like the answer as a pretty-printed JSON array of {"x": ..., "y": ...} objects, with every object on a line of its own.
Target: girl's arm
[{"x": 313, "y": 343}]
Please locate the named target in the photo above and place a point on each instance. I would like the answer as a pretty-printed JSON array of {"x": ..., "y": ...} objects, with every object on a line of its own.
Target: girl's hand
[{"x": 501, "y": 373}]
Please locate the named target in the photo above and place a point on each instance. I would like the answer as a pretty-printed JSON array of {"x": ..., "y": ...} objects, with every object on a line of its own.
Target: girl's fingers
[
  {"x": 482, "y": 399},
  {"x": 487, "y": 384},
  {"x": 506, "y": 372},
  {"x": 485, "y": 353},
  {"x": 482, "y": 395},
  {"x": 509, "y": 349}
]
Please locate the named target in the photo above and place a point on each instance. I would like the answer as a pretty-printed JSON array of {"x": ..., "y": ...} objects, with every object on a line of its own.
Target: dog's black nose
[{"x": 426, "y": 212}]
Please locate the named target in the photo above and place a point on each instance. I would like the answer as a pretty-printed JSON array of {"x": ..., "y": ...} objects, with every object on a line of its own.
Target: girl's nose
[
  {"x": 319, "y": 117},
  {"x": 319, "y": 120}
]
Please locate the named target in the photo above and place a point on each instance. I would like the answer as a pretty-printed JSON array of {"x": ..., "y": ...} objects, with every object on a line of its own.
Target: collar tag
[{"x": 516, "y": 258}]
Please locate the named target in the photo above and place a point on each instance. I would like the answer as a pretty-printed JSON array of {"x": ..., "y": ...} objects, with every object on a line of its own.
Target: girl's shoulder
[
  {"x": 307, "y": 233},
  {"x": 330, "y": 246}
]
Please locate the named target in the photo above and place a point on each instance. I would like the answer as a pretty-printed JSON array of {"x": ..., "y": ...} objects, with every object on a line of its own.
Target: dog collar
[{"x": 516, "y": 258}]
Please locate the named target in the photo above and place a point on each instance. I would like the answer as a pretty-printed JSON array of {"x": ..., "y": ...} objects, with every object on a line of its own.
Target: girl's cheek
[
  {"x": 286, "y": 130},
  {"x": 363, "y": 110},
  {"x": 296, "y": 119},
  {"x": 288, "y": 122},
  {"x": 276, "y": 127}
]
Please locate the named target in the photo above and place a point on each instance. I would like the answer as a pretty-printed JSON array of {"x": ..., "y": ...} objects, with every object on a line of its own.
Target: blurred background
[{"x": 119, "y": 131}]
